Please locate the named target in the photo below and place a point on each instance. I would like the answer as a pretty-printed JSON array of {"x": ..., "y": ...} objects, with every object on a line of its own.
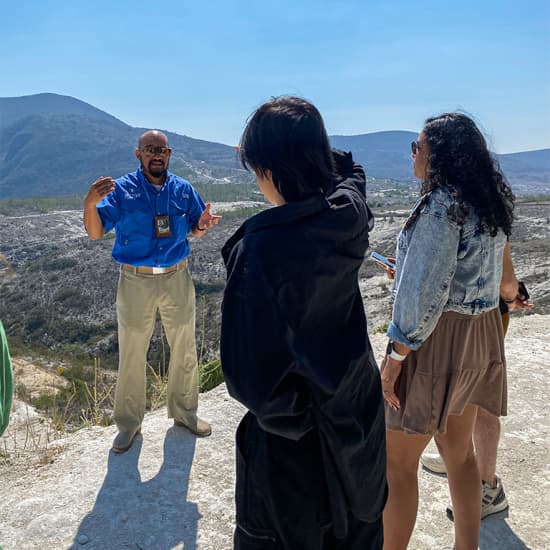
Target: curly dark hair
[{"x": 459, "y": 160}]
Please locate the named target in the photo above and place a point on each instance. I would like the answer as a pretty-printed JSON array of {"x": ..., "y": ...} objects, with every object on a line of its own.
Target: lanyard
[{"x": 144, "y": 185}]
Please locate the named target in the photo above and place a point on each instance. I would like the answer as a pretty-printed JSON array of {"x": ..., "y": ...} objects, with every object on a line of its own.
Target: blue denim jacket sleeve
[{"x": 426, "y": 263}]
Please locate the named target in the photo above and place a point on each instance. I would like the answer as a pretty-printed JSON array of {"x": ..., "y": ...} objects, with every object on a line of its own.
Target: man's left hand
[{"x": 206, "y": 221}]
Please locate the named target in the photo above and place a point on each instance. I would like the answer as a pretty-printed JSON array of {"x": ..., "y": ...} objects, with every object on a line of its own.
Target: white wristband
[{"x": 395, "y": 355}]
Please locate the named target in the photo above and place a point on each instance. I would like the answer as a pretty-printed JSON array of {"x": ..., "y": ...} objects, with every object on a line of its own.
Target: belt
[{"x": 153, "y": 270}]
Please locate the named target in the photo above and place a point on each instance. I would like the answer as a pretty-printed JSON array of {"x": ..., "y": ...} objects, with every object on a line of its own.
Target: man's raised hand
[
  {"x": 101, "y": 187},
  {"x": 207, "y": 219}
]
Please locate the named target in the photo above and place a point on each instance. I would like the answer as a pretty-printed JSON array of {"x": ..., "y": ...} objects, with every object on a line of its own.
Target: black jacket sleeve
[
  {"x": 353, "y": 177},
  {"x": 256, "y": 363}
]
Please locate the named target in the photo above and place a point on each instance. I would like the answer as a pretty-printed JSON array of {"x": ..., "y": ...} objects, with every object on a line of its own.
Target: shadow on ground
[
  {"x": 150, "y": 515},
  {"x": 496, "y": 534}
]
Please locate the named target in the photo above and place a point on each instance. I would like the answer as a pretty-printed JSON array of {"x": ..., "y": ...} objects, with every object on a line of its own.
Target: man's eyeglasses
[
  {"x": 415, "y": 147},
  {"x": 150, "y": 150}
]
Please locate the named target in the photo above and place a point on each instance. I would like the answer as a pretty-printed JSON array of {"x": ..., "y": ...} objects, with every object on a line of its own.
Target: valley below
[{"x": 58, "y": 307}]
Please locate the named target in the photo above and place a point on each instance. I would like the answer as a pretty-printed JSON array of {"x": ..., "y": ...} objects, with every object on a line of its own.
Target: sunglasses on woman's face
[{"x": 415, "y": 147}]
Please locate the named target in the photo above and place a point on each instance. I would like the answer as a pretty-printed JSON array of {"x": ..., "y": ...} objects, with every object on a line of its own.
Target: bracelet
[
  {"x": 395, "y": 355},
  {"x": 197, "y": 228}
]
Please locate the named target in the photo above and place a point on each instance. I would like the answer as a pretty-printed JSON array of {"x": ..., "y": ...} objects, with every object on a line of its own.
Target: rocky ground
[
  {"x": 68, "y": 491},
  {"x": 173, "y": 491},
  {"x": 62, "y": 297}
]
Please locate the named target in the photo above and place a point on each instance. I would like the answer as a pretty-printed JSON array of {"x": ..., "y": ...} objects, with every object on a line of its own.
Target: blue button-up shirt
[{"x": 131, "y": 209}]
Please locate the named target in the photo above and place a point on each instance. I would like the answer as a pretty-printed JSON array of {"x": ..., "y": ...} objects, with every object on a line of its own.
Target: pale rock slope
[{"x": 174, "y": 491}]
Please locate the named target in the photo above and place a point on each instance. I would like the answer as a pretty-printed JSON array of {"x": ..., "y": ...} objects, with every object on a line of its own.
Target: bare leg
[
  {"x": 486, "y": 437},
  {"x": 404, "y": 452},
  {"x": 457, "y": 450}
]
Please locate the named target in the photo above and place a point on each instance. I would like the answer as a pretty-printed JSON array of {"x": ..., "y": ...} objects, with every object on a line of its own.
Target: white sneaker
[
  {"x": 433, "y": 464},
  {"x": 493, "y": 501}
]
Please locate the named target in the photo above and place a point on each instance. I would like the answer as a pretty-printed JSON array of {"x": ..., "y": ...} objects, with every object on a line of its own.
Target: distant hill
[
  {"x": 383, "y": 154},
  {"x": 388, "y": 155},
  {"x": 15, "y": 108},
  {"x": 52, "y": 145},
  {"x": 59, "y": 154},
  {"x": 528, "y": 171},
  {"x": 55, "y": 145}
]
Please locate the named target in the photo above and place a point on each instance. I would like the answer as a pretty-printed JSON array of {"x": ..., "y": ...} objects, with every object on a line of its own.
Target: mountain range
[{"x": 55, "y": 145}]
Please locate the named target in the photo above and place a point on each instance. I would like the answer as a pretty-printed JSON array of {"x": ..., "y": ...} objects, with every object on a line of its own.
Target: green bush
[
  {"x": 53, "y": 264},
  {"x": 22, "y": 393},
  {"x": 37, "y": 319},
  {"x": 44, "y": 401},
  {"x": 72, "y": 331},
  {"x": 213, "y": 286},
  {"x": 72, "y": 298},
  {"x": 77, "y": 373},
  {"x": 210, "y": 375}
]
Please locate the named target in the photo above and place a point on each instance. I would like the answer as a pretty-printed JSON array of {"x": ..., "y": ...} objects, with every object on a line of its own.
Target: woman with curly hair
[{"x": 446, "y": 355}]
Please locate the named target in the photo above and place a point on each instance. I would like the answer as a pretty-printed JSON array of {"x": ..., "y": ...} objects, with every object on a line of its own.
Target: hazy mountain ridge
[
  {"x": 388, "y": 155},
  {"x": 15, "y": 108},
  {"x": 54, "y": 145},
  {"x": 384, "y": 154}
]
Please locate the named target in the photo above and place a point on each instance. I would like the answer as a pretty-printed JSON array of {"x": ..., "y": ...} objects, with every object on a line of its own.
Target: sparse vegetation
[
  {"x": 60, "y": 309},
  {"x": 89, "y": 398},
  {"x": 53, "y": 264},
  {"x": 213, "y": 192},
  {"x": 241, "y": 213},
  {"x": 211, "y": 375},
  {"x": 533, "y": 198},
  {"x": 228, "y": 192},
  {"x": 39, "y": 205},
  {"x": 72, "y": 298}
]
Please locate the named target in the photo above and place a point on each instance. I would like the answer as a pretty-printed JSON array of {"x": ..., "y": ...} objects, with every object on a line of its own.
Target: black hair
[
  {"x": 459, "y": 160},
  {"x": 287, "y": 137}
]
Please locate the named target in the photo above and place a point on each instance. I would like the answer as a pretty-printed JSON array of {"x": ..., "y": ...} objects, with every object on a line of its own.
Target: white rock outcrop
[{"x": 174, "y": 491}]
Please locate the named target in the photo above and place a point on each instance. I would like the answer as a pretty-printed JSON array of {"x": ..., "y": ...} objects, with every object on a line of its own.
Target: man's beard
[{"x": 156, "y": 173}]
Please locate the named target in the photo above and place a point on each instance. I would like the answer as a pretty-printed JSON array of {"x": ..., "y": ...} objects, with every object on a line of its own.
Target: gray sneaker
[
  {"x": 493, "y": 501},
  {"x": 433, "y": 464}
]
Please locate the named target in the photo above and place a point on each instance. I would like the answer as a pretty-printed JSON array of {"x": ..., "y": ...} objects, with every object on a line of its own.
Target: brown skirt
[{"x": 461, "y": 363}]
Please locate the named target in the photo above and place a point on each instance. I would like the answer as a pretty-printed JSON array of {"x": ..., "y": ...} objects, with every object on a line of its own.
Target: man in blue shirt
[{"x": 152, "y": 212}]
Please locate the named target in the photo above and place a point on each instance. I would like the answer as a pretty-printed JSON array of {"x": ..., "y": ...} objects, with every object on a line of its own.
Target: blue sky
[{"x": 200, "y": 68}]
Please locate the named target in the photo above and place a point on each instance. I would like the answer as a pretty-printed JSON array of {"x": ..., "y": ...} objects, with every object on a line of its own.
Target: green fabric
[{"x": 6, "y": 381}]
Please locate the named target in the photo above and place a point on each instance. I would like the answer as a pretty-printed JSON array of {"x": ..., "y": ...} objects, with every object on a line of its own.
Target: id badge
[{"x": 162, "y": 226}]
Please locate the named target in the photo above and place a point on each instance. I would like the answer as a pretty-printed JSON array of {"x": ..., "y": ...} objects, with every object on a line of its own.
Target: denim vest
[{"x": 442, "y": 265}]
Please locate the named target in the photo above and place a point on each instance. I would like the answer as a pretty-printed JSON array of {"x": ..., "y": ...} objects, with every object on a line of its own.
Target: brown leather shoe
[
  {"x": 196, "y": 426},
  {"x": 124, "y": 440}
]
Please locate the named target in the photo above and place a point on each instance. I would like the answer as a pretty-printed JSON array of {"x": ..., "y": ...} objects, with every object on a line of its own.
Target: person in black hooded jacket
[{"x": 294, "y": 345}]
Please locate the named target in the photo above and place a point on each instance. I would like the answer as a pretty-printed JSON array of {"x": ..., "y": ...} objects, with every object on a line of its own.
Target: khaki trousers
[{"x": 139, "y": 296}]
